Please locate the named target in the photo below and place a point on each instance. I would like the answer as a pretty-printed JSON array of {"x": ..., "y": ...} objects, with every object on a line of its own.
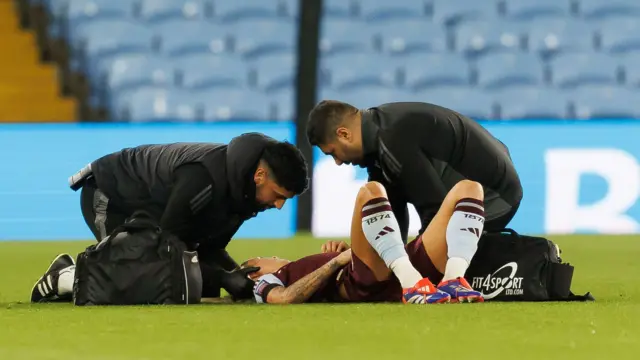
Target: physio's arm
[{"x": 424, "y": 187}]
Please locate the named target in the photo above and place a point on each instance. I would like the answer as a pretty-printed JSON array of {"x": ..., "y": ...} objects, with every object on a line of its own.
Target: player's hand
[
  {"x": 237, "y": 282},
  {"x": 335, "y": 246}
]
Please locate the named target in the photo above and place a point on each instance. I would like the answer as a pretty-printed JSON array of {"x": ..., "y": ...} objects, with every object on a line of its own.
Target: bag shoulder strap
[{"x": 139, "y": 221}]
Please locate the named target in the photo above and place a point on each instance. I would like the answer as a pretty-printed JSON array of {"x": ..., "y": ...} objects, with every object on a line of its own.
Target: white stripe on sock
[
  {"x": 470, "y": 204},
  {"x": 369, "y": 207}
]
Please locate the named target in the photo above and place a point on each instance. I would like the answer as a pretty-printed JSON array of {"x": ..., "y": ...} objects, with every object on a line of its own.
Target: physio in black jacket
[
  {"x": 200, "y": 192},
  {"x": 419, "y": 151}
]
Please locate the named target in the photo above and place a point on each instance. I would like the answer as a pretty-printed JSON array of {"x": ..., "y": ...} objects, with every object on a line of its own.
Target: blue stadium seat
[
  {"x": 532, "y": 103},
  {"x": 157, "y": 11},
  {"x": 283, "y": 104},
  {"x": 88, "y": 10},
  {"x": 340, "y": 8},
  {"x": 345, "y": 35},
  {"x": 273, "y": 73},
  {"x": 433, "y": 70},
  {"x": 366, "y": 97},
  {"x": 535, "y": 9},
  {"x": 99, "y": 42},
  {"x": 263, "y": 36},
  {"x": 476, "y": 38},
  {"x": 345, "y": 71},
  {"x": 620, "y": 35},
  {"x": 584, "y": 69},
  {"x": 152, "y": 104},
  {"x": 232, "y": 103},
  {"x": 374, "y": 10},
  {"x": 182, "y": 37},
  {"x": 553, "y": 36},
  {"x": 497, "y": 71},
  {"x": 130, "y": 72},
  {"x": 601, "y": 9},
  {"x": 401, "y": 37},
  {"x": 231, "y": 11},
  {"x": 454, "y": 12},
  {"x": 202, "y": 71},
  {"x": 76, "y": 12},
  {"x": 606, "y": 102},
  {"x": 474, "y": 103},
  {"x": 631, "y": 64}
]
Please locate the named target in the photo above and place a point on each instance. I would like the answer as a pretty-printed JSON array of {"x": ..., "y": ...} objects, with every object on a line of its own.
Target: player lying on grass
[{"x": 363, "y": 273}]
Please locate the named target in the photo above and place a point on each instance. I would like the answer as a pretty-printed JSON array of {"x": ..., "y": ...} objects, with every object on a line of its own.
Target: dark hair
[
  {"x": 325, "y": 118},
  {"x": 288, "y": 166}
]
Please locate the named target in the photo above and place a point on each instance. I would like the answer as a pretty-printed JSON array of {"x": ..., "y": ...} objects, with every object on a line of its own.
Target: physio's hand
[
  {"x": 237, "y": 282},
  {"x": 335, "y": 246}
]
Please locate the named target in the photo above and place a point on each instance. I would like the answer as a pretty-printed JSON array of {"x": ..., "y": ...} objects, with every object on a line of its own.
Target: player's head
[
  {"x": 335, "y": 128},
  {"x": 281, "y": 175},
  {"x": 267, "y": 265}
]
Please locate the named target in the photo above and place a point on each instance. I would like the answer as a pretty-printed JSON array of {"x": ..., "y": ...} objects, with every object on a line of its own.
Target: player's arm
[
  {"x": 269, "y": 289},
  {"x": 192, "y": 192}
]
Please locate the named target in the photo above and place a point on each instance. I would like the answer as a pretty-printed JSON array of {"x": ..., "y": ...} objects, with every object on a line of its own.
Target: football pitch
[{"x": 608, "y": 266}]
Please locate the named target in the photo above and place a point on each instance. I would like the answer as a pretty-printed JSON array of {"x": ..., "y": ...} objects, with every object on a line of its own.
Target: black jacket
[
  {"x": 201, "y": 192},
  {"x": 420, "y": 151}
]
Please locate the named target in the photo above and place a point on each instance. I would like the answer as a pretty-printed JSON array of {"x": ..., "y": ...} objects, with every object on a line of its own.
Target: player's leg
[
  {"x": 377, "y": 242},
  {"x": 451, "y": 239}
]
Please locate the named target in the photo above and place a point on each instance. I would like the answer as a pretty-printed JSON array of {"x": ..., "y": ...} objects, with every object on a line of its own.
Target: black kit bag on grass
[
  {"x": 513, "y": 267},
  {"x": 138, "y": 264}
]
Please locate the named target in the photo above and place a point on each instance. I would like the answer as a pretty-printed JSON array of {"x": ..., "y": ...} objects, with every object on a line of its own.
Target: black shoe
[{"x": 46, "y": 288}]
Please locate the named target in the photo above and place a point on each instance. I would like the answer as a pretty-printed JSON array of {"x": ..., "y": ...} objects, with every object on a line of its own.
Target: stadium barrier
[{"x": 578, "y": 176}]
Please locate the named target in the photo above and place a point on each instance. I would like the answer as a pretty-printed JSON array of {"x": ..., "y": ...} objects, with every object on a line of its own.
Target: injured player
[{"x": 378, "y": 267}]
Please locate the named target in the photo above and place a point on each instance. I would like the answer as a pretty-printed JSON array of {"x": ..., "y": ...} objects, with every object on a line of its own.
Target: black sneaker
[{"x": 46, "y": 288}]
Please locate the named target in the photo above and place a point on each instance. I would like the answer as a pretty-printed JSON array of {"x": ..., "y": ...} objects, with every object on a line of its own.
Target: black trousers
[
  {"x": 502, "y": 221},
  {"x": 102, "y": 218}
]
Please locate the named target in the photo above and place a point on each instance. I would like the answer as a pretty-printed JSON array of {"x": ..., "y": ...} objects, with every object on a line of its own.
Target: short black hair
[
  {"x": 325, "y": 118},
  {"x": 288, "y": 166}
]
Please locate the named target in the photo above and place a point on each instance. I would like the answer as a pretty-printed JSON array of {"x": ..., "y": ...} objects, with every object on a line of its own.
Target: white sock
[
  {"x": 456, "y": 267},
  {"x": 463, "y": 233},
  {"x": 405, "y": 272},
  {"x": 65, "y": 280},
  {"x": 382, "y": 231}
]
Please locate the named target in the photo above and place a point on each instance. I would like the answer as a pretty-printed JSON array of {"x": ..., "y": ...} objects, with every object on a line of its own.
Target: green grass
[{"x": 609, "y": 328}]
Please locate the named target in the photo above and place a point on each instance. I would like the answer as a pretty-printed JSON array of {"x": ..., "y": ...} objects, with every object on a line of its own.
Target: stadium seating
[
  {"x": 620, "y": 35},
  {"x": 576, "y": 70},
  {"x": 499, "y": 71},
  {"x": 433, "y": 70},
  {"x": 527, "y": 10},
  {"x": 552, "y": 36},
  {"x": 532, "y": 103},
  {"x": 598, "y": 9},
  {"x": 605, "y": 102},
  {"x": 159, "y": 11},
  {"x": 501, "y": 58},
  {"x": 476, "y": 38}
]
